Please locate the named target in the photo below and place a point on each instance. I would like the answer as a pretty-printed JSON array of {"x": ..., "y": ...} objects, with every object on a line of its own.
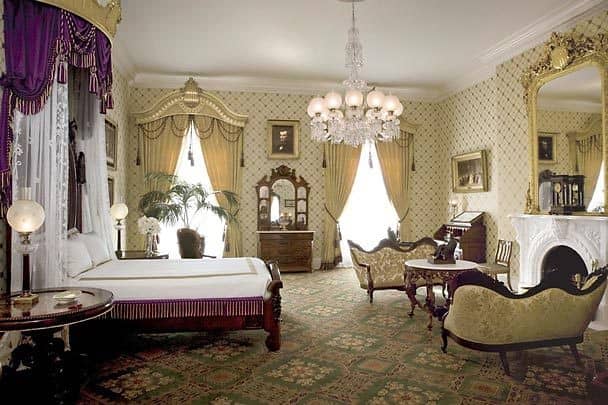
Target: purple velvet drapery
[{"x": 39, "y": 42}]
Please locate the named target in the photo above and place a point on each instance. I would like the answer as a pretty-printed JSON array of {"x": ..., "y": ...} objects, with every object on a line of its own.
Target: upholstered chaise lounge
[
  {"x": 486, "y": 316},
  {"x": 382, "y": 267}
]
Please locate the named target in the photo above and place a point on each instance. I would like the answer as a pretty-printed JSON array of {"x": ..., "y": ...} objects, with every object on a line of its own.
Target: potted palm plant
[{"x": 174, "y": 201}]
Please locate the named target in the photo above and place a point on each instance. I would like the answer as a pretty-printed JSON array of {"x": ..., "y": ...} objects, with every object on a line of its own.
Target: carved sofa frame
[
  {"x": 426, "y": 246},
  {"x": 474, "y": 283}
]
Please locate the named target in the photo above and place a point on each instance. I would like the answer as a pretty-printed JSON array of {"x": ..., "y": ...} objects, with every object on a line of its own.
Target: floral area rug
[{"x": 337, "y": 348}]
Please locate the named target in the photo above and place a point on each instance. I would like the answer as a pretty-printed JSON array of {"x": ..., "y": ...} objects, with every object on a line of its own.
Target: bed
[{"x": 190, "y": 295}]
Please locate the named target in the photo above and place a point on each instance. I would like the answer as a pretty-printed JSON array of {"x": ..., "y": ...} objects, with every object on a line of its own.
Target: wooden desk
[
  {"x": 52, "y": 375},
  {"x": 421, "y": 269}
]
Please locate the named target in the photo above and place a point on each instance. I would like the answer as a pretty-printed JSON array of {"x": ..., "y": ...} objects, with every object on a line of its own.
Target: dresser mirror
[
  {"x": 565, "y": 99},
  {"x": 282, "y": 201}
]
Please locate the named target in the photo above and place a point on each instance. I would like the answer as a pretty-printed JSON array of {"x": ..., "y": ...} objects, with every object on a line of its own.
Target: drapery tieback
[{"x": 330, "y": 214}]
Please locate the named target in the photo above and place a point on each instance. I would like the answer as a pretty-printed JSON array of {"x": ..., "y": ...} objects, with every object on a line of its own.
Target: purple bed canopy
[{"x": 39, "y": 43}]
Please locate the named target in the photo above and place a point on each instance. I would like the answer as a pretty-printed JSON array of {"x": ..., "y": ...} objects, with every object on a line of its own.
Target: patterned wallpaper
[
  {"x": 119, "y": 115},
  {"x": 468, "y": 123},
  {"x": 260, "y": 107}
]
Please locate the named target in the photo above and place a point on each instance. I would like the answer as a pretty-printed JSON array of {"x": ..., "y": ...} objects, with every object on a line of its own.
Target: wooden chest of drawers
[{"x": 291, "y": 249}]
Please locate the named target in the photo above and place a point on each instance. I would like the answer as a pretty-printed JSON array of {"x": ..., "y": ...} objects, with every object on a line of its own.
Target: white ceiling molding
[
  {"x": 560, "y": 19},
  {"x": 269, "y": 85}
]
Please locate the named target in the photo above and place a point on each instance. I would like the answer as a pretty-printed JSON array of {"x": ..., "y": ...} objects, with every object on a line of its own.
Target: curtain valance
[
  {"x": 176, "y": 125},
  {"x": 40, "y": 41}
]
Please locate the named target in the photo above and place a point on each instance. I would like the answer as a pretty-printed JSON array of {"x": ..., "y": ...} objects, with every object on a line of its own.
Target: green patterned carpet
[{"x": 337, "y": 348}]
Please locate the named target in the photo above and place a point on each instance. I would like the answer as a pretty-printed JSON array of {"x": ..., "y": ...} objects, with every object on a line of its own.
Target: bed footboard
[{"x": 272, "y": 308}]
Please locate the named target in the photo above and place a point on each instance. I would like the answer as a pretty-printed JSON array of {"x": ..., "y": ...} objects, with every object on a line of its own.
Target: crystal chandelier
[{"x": 354, "y": 122}]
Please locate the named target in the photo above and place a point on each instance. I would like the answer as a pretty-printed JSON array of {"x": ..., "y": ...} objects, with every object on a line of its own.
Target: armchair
[
  {"x": 486, "y": 316},
  {"x": 382, "y": 267}
]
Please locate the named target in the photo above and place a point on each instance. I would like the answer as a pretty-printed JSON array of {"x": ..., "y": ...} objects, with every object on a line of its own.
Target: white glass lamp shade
[
  {"x": 333, "y": 100},
  {"x": 119, "y": 211},
  {"x": 316, "y": 106},
  {"x": 353, "y": 98},
  {"x": 399, "y": 109},
  {"x": 25, "y": 216},
  {"x": 391, "y": 103},
  {"x": 375, "y": 99}
]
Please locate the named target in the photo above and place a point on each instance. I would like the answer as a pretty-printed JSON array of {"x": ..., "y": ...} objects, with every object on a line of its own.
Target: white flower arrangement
[{"x": 148, "y": 225}]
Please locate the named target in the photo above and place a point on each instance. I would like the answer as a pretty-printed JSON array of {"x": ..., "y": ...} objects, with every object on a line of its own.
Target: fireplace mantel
[{"x": 537, "y": 234}]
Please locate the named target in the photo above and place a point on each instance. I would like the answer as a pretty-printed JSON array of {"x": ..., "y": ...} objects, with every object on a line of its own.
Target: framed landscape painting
[
  {"x": 470, "y": 172},
  {"x": 283, "y": 139}
]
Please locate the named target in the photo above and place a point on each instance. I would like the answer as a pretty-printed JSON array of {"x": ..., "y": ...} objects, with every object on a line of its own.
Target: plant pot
[{"x": 191, "y": 244}]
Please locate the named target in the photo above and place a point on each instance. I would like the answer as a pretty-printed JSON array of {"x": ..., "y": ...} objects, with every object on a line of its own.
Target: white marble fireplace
[{"x": 538, "y": 234}]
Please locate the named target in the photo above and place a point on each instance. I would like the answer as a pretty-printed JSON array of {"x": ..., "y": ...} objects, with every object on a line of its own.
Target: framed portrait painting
[
  {"x": 546, "y": 147},
  {"x": 111, "y": 134},
  {"x": 470, "y": 172},
  {"x": 283, "y": 139}
]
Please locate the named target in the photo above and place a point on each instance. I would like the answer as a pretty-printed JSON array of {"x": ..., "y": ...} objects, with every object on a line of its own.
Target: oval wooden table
[
  {"x": 52, "y": 374},
  {"x": 421, "y": 270}
]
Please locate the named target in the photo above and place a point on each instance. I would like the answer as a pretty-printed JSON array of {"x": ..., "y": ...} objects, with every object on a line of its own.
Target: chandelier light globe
[
  {"x": 353, "y": 98},
  {"x": 333, "y": 100},
  {"x": 399, "y": 109},
  {"x": 316, "y": 106},
  {"x": 375, "y": 98},
  {"x": 391, "y": 103},
  {"x": 25, "y": 216}
]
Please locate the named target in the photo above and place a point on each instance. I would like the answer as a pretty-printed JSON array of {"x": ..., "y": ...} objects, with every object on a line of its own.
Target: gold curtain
[
  {"x": 162, "y": 142},
  {"x": 342, "y": 162},
  {"x": 222, "y": 149},
  {"x": 589, "y": 158},
  {"x": 395, "y": 161}
]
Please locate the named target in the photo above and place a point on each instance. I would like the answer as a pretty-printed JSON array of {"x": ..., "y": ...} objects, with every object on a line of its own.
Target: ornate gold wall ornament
[
  {"x": 104, "y": 14},
  {"x": 190, "y": 100},
  {"x": 528, "y": 209},
  {"x": 562, "y": 54}
]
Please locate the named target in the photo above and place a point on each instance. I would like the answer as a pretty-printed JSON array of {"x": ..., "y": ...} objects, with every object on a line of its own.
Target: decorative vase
[{"x": 151, "y": 244}]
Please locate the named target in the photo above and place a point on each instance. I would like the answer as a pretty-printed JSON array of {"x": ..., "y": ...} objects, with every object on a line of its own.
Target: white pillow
[
  {"x": 96, "y": 247},
  {"x": 78, "y": 259}
]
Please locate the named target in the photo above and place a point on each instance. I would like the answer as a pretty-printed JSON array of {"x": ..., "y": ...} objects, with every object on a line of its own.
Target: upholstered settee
[
  {"x": 484, "y": 315},
  {"x": 383, "y": 267}
]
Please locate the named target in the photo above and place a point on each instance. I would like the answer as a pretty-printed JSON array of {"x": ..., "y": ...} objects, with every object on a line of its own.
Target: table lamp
[
  {"x": 25, "y": 217},
  {"x": 119, "y": 212}
]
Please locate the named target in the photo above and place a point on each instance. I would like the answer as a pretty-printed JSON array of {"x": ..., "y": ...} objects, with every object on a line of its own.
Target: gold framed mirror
[{"x": 565, "y": 94}]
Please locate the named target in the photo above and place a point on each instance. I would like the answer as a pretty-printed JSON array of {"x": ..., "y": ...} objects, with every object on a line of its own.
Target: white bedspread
[{"x": 175, "y": 279}]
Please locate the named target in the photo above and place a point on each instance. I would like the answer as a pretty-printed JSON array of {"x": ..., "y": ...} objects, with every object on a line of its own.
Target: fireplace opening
[{"x": 565, "y": 261}]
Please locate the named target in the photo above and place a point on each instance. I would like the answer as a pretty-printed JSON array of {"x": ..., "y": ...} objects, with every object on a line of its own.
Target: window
[
  {"x": 597, "y": 199},
  {"x": 205, "y": 223},
  {"x": 368, "y": 212}
]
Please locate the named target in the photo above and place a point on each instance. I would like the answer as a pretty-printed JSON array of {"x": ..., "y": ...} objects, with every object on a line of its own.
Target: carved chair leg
[
  {"x": 444, "y": 340},
  {"x": 576, "y": 354},
  {"x": 505, "y": 363},
  {"x": 370, "y": 292}
]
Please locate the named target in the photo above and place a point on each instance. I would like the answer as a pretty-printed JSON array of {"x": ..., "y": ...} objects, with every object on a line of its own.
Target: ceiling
[
  {"x": 577, "y": 91},
  {"x": 424, "y": 48}
]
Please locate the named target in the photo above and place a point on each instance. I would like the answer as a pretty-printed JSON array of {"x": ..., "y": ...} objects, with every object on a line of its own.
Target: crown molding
[
  {"x": 559, "y": 19},
  {"x": 270, "y": 85}
]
